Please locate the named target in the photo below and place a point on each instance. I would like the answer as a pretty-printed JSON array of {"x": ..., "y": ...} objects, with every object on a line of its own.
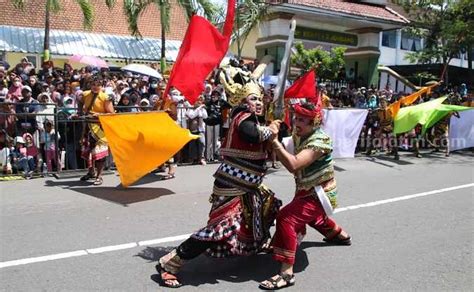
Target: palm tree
[
  {"x": 134, "y": 9},
  {"x": 54, "y": 6},
  {"x": 248, "y": 16}
]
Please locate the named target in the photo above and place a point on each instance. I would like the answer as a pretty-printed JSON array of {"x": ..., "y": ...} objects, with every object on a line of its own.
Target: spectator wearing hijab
[
  {"x": 26, "y": 111},
  {"x": 196, "y": 116},
  {"x": 35, "y": 86},
  {"x": 14, "y": 92},
  {"x": 126, "y": 104},
  {"x": 214, "y": 123}
]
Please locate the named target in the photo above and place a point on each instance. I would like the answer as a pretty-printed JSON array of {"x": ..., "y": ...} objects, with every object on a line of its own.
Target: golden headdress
[{"x": 239, "y": 84}]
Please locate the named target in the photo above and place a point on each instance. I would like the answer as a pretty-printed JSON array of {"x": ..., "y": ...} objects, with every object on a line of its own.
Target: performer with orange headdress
[{"x": 315, "y": 195}]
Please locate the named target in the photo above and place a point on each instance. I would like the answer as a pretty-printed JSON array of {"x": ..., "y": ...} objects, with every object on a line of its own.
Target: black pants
[{"x": 192, "y": 247}]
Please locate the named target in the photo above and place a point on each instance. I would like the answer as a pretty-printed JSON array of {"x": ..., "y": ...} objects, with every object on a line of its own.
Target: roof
[
  {"x": 353, "y": 8},
  {"x": 30, "y": 40},
  {"x": 110, "y": 21}
]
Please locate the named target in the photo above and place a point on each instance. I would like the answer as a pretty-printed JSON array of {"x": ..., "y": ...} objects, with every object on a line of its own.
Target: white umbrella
[{"x": 142, "y": 70}]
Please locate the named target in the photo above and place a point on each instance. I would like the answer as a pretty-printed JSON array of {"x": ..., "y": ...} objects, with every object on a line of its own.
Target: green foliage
[
  {"x": 327, "y": 64},
  {"x": 423, "y": 76},
  {"x": 249, "y": 13},
  {"x": 133, "y": 9},
  {"x": 88, "y": 13},
  {"x": 446, "y": 26}
]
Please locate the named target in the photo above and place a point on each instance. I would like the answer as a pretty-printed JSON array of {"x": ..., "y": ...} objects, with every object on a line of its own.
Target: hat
[
  {"x": 41, "y": 95},
  {"x": 144, "y": 102},
  {"x": 26, "y": 87},
  {"x": 243, "y": 91},
  {"x": 44, "y": 84},
  {"x": 316, "y": 114},
  {"x": 19, "y": 140}
]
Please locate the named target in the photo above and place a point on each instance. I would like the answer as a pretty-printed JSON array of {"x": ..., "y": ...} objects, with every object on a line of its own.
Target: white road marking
[
  {"x": 403, "y": 198},
  {"x": 112, "y": 248},
  {"x": 163, "y": 240},
  {"x": 185, "y": 236},
  {"x": 52, "y": 257}
]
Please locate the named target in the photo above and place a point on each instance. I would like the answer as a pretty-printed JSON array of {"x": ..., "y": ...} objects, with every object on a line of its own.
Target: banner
[
  {"x": 461, "y": 131},
  {"x": 344, "y": 126}
]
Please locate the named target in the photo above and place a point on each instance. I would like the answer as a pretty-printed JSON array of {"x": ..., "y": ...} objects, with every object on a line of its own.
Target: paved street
[{"x": 423, "y": 241}]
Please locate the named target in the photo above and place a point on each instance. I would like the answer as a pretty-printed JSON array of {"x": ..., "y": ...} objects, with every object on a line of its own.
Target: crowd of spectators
[{"x": 36, "y": 106}]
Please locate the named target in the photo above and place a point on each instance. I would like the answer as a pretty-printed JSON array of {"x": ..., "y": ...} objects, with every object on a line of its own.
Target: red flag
[
  {"x": 304, "y": 87},
  {"x": 202, "y": 49}
]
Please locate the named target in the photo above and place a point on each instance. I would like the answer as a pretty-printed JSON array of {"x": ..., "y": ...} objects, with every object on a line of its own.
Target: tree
[
  {"x": 248, "y": 16},
  {"x": 445, "y": 26},
  {"x": 327, "y": 64},
  {"x": 135, "y": 8},
  {"x": 55, "y": 6}
]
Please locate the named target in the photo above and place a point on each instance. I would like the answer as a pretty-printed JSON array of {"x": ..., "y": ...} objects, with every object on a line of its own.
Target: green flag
[{"x": 426, "y": 114}]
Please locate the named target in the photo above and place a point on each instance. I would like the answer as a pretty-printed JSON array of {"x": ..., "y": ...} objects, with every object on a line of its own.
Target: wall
[
  {"x": 106, "y": 21},
  {"x": 248, "y": 51}
]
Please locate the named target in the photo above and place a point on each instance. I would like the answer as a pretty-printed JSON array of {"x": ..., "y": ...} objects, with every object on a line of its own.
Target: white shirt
[{"x": 200, "y": 113}]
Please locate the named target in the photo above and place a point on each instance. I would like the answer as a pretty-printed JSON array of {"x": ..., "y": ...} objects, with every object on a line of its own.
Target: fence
[{"x": 60, "y": 149}]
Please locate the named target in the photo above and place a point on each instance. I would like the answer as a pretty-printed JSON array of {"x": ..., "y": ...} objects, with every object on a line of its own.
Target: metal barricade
[
  {"x": 60, "y": 149},
  {"x": 28, "y": 122}
]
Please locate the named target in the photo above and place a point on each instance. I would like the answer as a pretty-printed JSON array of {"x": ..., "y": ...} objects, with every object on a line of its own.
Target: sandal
[
  {"x": 98, "y": 181},
  {"x": 338, "y": 241},
  {"x": 272, "y": 283},
  {"x": 88, "y": 176},
  {"x": 167, "y": 279},
  {"x": 168, "y": 176}
]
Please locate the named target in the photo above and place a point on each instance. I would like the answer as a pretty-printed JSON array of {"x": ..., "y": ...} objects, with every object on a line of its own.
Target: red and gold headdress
[{"x": 315, "y": 114}]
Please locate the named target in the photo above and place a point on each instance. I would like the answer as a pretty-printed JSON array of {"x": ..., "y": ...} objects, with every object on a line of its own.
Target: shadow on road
[
  {"x": 117, "y": 195},
  {"x": 380, "y": 159},
  {"x": 207, "y": 270}
]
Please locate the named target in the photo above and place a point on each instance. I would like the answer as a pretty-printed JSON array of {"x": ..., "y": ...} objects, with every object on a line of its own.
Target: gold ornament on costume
[
  {"x": 238, "y": 83},
  {"x": 242, "y": 92}
]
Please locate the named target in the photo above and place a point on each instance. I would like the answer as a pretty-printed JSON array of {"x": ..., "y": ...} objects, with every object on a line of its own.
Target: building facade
[
  {"x": 22, "y": 32},
  {"x": 370, "y": 30}
]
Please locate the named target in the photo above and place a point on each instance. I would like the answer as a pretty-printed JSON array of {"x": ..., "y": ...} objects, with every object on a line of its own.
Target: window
[
  {"x": 410, "y": 43},
  {"x": 389, "y": 38}
]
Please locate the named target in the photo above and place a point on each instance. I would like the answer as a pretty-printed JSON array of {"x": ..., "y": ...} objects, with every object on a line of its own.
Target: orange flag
[
  {"x": 140, "y": 142},
  {"x": 410, "y": 99}
]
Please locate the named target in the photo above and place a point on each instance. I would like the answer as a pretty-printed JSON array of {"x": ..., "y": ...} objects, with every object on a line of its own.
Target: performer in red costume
[
  {"x": 243, "y": 209},
  {"x": 316, "y": 192}
]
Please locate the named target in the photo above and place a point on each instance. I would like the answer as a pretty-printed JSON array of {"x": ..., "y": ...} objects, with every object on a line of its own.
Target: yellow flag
[{"x": 140, "y": 142}]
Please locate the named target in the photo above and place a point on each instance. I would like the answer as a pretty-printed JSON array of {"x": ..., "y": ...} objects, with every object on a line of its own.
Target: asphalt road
[{"x": 404, "y": 236}]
